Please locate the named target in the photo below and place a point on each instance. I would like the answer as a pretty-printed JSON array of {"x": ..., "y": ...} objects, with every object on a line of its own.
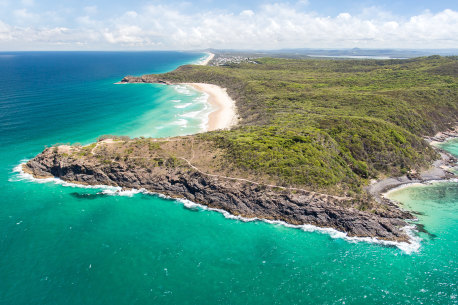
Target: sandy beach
[
  {"x": 225, "y": 114},
  {"x": 207, "y": 60},
  {"x": 441, "y": 170}
]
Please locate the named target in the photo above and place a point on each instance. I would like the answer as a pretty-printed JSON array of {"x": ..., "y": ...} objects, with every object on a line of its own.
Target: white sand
[
  {"x": 225, "y": 114},
  {"x": 207, "y": 60}
]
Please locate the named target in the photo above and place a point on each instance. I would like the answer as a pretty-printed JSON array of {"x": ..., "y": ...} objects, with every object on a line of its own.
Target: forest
[{"x": 330, "y": 124}]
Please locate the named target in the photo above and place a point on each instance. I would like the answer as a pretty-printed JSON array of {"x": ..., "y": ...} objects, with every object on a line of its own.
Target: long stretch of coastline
[
  {"x": 224, "y": 115},
  {"x": 224, "y": 110},
  {"x": 222, "y": 191},
  {"x": 207, "y": 60},
  {"x": 237, "y": 196}
]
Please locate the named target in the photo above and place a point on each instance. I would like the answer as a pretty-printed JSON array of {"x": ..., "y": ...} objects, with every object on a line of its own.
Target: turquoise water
[
  {"x": 72, "y": 245},
  {"x": 452, "y": 147}
]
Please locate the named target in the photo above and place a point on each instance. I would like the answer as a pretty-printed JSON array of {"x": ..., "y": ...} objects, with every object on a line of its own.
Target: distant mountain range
[{"x": 355, "y": 52}]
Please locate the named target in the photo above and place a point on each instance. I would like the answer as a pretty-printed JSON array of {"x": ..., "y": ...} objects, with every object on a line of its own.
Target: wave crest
[{"x": 407, "y": 247}]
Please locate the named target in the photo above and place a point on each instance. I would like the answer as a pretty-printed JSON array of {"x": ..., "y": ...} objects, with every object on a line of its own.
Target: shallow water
[
  {"x": 451, "y": 146},
  {"x": 73, "y": 245}
]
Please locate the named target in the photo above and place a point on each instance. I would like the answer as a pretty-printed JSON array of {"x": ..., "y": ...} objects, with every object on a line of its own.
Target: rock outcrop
[
  {"x": 235, "y": 196},
  {"x": 145, "y": 79}
]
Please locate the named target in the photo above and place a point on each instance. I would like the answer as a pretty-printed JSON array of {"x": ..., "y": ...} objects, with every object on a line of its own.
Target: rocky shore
[
  {"x": 440, "y": 137},
  {"x": 440, "y": 170},
  {"x": 358, "y": 217},
  {"x": 144, "y": 79},
  {"x": 242, "y": 197},
  {"x": 237, "y": 197}
]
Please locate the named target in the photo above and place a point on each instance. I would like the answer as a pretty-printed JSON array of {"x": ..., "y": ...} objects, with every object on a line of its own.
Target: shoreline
[
  {"x": 408, "y": 247},
  {"x": 207, "y": 60},
  {"x": 224, "y": 113},
  {"x": 411, "y": 244},
  {"x": 223, "y": 117},
  {"x": 442, "y": 137},
  {"x": 440, "y": 170}
]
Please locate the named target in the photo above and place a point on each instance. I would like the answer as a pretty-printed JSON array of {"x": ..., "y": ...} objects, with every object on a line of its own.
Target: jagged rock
[
  {"x": 144, "y": 79},
  {"x": 237, "y": 197}
]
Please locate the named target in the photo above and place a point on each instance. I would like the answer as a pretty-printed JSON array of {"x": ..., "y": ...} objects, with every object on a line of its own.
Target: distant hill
[
  {"x": 312, "y": 134},
  {"x": 304, "y": 52}
]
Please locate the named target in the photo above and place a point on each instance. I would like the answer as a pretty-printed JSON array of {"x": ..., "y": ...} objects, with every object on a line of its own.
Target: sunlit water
[{"x": 71, "y": 245}]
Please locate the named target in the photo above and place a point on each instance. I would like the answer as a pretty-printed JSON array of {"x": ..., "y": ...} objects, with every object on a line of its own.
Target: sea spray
[
  {"x": 183, "y": 106},
  {"x": 407, "y": 247},
  {"x": 183, "y": 89},
  {"x": 410, "y": 247},
  {"x": 203, "y": 59},
  {"x": 47, "y": 242},
  {"x": 200, "y": 116}
]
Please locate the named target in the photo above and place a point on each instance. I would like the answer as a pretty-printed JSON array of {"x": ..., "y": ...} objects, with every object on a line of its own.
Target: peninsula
[{"x": 311, "y": 136}]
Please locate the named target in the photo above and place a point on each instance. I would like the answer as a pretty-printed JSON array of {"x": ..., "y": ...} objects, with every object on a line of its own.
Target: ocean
[{"x": 62, "y": 244}]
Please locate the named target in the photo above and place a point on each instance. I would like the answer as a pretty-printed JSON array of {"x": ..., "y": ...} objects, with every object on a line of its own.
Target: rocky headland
[
  {"x": 145, "y": 79},
  {"x": 311, "y": 137},
  {"x": 236, "y": 196},
  {"x": 441, "y": 169}
]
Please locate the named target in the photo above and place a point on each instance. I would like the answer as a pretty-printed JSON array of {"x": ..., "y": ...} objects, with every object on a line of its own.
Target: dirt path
[
  {"x": 256, "y": 183},
  {"x": 110, "y": 141}
]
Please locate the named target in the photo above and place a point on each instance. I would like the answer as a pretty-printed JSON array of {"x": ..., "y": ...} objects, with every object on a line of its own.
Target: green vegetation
[
  {"x": 331, "y": 124},
  {"x": 113, "y": 137}
]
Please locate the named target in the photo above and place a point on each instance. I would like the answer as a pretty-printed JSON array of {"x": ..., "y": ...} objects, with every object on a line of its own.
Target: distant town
[{"x": 228, "y": 59}]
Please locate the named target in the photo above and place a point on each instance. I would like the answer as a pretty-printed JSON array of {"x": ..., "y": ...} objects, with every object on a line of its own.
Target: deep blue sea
[{"x": 61, "y": 244}]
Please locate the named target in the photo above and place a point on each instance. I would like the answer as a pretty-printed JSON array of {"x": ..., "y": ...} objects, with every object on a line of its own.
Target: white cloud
[
  {"x": 24, "y": 15},
  {"x": 91, "y": 10},
  {"x": 132, "y": 35},
  {"x": 269, "y": 27},
  {"x": 303, "y": 2},
  {"x": 248, "y": 13},
  {"x": 5, "y": 32},
  {"x": 28, "y": 2}
]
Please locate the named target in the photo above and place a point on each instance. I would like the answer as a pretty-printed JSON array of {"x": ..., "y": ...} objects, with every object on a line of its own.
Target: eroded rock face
[
  {"x": 144, "y": 79},
  {"x": 236, "y": 197}
]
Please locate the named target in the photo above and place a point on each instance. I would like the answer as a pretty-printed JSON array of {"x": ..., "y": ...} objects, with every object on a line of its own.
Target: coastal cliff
[
  {"x": 176, "y": 178},
  {"x": 145, "y": 79},
  {"x": 312, "y": 137}
]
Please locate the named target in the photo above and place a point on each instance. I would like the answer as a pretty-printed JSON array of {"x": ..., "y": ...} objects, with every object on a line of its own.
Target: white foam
[
  {"x": 187, "y": 203},
  {"x": 182, "y": 89},
  {"x": 191, "y": 114},
  {"x": 175, "y": 101},
  {"x": 106, "y": 189},
  {"x": 181, "y": 122},
  {"x": 202, "y": 114},
  {"x": 183, "y": 106},
  {"x": 124, "y": 192},
  {"x": 23, "y": 176},
  {"x": 407, "y": 247},
  {"x": 202, "y": 98},
  {"x": 205, "y": 112},
  {"x": 203, "y": 60}
]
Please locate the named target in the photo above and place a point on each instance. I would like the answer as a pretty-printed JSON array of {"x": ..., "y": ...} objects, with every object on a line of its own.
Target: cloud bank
[{"x": 272, "y": 26}]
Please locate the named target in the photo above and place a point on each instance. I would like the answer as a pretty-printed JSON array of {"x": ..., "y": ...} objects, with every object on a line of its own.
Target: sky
[{"x": 237, "y": 24}]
